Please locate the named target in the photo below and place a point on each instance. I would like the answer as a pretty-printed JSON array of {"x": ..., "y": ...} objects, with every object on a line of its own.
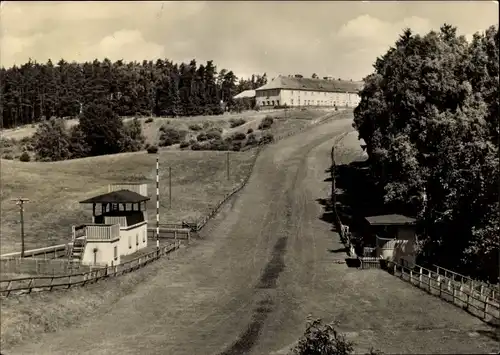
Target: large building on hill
[{"x": 297, "y": 91}]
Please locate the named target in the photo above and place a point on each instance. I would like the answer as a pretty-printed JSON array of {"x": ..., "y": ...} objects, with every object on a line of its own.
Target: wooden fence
[
  {"x": 469, "y": 284},
  {"x": 173, "y": 233},
  {"x": 477, "y": 304},
  {"x": 49, "y": 283},
  {"x": 52, "y": 252},
  {"x": 31, "y": 266}
]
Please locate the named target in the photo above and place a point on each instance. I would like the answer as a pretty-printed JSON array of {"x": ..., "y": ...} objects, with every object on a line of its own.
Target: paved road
[{"x": 262, "y": 266}]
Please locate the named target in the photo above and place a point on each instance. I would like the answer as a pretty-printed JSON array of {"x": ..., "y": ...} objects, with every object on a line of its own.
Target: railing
[
  {"x": 174, "y": 231},
  {"x": 74, "y": 230},
  {"x": 369, "y": 262},
  {"x": 478, "y": 304},
  {"x": 473, "y": 285},
  {"x": 56, "y": 250},
  {"x": 103, "y": 232},
  {"x": 49, "y": 283}
]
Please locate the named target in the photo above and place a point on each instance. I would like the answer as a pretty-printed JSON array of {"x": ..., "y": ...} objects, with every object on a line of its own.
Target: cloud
[
  {"x": 341, "y": 39},
  {"x": 129, "y": 44}
]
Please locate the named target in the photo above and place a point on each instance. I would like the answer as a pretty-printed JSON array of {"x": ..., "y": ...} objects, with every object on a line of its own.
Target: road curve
[{"x": 262, "y": 265}]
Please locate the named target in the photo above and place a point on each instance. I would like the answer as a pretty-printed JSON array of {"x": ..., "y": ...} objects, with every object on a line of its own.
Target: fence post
[
  {"x": 453, "y": 294},
  {"x": 467, "y": 304},
  {"x": 429, "y": 280},
  {"x": 420, "y": 278},
  {"x": 9, "y": 286},
  {"x": 440, "y": 286},
  {"x": 482, "y": 290},
  {"x": 69, "y": 281},
  {"x": 411, "y": 276},
  {"x": 485, "y": 307}
]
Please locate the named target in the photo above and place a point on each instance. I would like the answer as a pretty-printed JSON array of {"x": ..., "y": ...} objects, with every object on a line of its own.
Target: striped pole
[{"x": 157, "y": 202}]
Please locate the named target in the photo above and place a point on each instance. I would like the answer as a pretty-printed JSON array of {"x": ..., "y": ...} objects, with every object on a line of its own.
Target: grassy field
[{"x": 199, "y": 181}]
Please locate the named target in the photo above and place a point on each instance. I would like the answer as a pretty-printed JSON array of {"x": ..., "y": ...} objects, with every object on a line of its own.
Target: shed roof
[
  {"x": 244, "y": 94},
  {"x": 120, "y": 196},
  {"x": 294, "y": 83},
  {"x": 390, "y": 220}
]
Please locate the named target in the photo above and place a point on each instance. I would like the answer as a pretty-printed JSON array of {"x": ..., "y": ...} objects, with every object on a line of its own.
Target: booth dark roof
[
  {"x": 120, "y": 196},
  {"x": 390, "y": 219}
]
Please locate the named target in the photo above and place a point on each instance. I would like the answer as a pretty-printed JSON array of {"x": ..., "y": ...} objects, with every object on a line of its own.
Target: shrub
[
  {"x": 251, "y": 140},
  {"x": 215, "y": 129},
  {"x": 266, "y": 123},
  {"x": 236, "y": 146},
  {"x": 192, "y": 141},
  {"x": 214, "y": 134},
  {"x": 195, "y": 127},
  {"x": 196, "y": 146},
  {"x": 201, "y": 137},
  {"x": 8, "y": 157},
  {"x": 171, "y": 136},
  {"x": 320, "y": 339},
  {"x": 152, "y": 149},
  {"x": 219, "y": 144},
  {"x": 250, "y": 130},
  {"x": 149, "y": 120},
  {"x": 236, "y": 122},
  {"x": 266, "y": 139},
  {"x": 239, "y": 136},
  {"x": 184, "y": 144},
  {"x": 25, "y": 157}
]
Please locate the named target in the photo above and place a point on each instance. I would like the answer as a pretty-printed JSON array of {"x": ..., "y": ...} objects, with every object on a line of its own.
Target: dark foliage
[
  {"x": 431, "y": 133},
  {"x": 152, "y": 149},
  {"x": 235, "y": 122},
  {"x": 25, "y": 157},
  {"x": 34, "y": 92},
  {"x": 266, "y": 139},
  {"x": 266, "y": 123}
]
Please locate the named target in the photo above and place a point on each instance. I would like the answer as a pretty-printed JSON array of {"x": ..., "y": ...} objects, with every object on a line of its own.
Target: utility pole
[
  {"x": 20, "y": 202},
  {"x": 170, "y": 187},
  {"x": 227, "y": 165},
  {"x": 332, "y": 171}
]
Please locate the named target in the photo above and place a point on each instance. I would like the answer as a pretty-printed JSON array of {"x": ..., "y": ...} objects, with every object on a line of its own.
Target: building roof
[
  {"x": 294, "y": 83},
  {"x": 245, "y": 94},
  {"x": 120, "y": 196},
  {"x": 390, "y": 220}
]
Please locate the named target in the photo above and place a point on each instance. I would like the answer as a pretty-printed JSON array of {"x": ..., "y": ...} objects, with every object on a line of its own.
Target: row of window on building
[{"x": 305, "y": 103}]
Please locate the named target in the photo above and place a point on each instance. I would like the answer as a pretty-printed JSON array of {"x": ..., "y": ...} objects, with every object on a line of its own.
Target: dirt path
[{"x": 263, "y": 265}]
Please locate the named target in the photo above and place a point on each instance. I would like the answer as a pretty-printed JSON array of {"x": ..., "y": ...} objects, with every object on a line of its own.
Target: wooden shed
[{"x": 395, "y": 237}]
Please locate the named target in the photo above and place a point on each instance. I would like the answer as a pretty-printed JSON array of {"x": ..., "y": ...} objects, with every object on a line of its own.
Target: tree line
[
  {"x": 34, "y": 92},
  {"x": 429, "y": 117}
]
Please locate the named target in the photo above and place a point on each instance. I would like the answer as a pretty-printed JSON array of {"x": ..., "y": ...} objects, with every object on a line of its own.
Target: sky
[{"x": 330, "y": 38}]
